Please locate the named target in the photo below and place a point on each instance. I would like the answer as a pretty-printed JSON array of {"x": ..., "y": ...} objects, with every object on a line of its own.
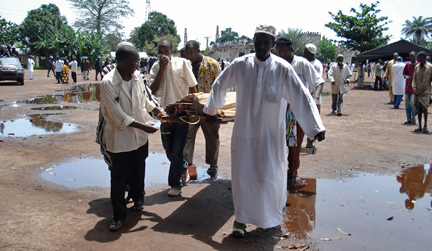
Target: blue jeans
[
  {"x": 397, "y": 101},
  {"x": 174, "y": 140},
  {"x": 337, "y": 98},
  {"x": 411, "y": 111}
]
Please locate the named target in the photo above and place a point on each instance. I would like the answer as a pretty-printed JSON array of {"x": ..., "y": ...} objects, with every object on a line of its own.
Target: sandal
[
  {"x": 418, "y": 130},
  {"x": 239, "y": 229},
  {"x": 425, "y": 130}
]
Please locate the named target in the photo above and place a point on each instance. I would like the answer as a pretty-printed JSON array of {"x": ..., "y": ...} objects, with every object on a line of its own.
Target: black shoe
[
  {"x": 138, "y": 206},
  {"x": 212, "y": 171},
  {"x": 239, "y": 229},
  {"x": 293, "y": 185},
  {"x": 115, "y": 225}
]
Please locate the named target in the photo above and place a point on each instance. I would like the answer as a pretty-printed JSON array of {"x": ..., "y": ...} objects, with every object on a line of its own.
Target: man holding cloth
[
  {"x": 205, "y": 70},
  {"x": 124, "y": 105}
]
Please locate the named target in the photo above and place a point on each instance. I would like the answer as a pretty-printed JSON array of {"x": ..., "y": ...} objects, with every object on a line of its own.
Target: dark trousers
[
  {"x": 294, "y": 154},
  {"x": 174, "y": 140},
  {"x": 58, "y": 77},
  {"x": 337, "y": 101},
  {"x": 378, "y": 79},
  {"x": 74, "y": 77},
  {"x": 98, "y": 72},
  {"x": 127, "y": 168},
  {"x": 50, "y": 69}
]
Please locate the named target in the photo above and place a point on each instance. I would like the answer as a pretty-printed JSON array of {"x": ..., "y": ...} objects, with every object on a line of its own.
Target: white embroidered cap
[{"x": 267, "y": 29}]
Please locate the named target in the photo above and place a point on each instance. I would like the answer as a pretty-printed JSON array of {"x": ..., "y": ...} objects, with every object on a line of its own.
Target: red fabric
[
  {"x": 86, "y": 66},
  {"x": 409, "y": 70}
]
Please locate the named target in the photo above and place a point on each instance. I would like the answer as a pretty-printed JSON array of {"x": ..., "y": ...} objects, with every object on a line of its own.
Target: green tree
[
  {"x": 101, "y": 15},
  {"x": 227, "y": 35},
  {"x": 157, "y": 25},
  {"x": 89, "y": 44},
  {"x": 9, "y": 32},
  {"x": 419, "y": 28},
  {"x": 363, "y": 31},
  {"x": 298, "y": 39},
  {"x": 40, "y": 22},
  {"x": 113, "y": 39},
  {"x": 326, "y": 51},
  {"x": 56, "y": 42}
]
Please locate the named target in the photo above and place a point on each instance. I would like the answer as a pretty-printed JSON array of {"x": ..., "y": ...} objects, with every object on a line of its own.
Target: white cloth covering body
[
  {"x": 258, "y": 145},
  {"x": 318, "y": 66},
  {"x": 307, "y": 73},
  {"x": 398, "y": 78},
  {"x": 59, "y": 65},
  {"x": 73, "y": 65},
  {"x": 30, "y": 64}
]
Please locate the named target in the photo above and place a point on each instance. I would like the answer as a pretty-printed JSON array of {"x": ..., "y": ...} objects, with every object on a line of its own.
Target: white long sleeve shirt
[
  {"x": 339, "y": 76},
  {"x": 120, "y": 107},
  {"x": 258, "y": 148}
]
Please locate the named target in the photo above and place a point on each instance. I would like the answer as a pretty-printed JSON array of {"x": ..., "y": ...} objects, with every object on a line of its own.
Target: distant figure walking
[{"x": 30, "y": 64}]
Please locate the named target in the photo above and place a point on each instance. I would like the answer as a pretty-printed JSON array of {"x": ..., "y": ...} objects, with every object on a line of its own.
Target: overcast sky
[{"x": 201, "y": 17}]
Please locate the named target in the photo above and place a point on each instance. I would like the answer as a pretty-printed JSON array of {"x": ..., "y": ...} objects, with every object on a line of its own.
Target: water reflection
[
  {"x": 299, "y": 215},
  {"x": 81, "y": 93},
  {"x": 368, "y": 212},
  {"x": 415, "y": 182},
  {"x": 94, "y": 172},
  {"x": 36, "y": 124},
  {"x": 54, "y": 108}
]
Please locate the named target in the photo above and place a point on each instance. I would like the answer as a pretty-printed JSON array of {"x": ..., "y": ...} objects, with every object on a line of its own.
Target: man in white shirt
[
  {"x": 310, "y": 79},
  {"x": 398, "y": 87},
  {"x": 58, "y": 69},
  {"x": 124, "y": 105},
  {"x": 74, "y": 67},
  {"x": 339, "y": 75},
  {"x": 30, "y": 64},
  {"x": 172, "y": 79},
  {"x": 264, "y": 84}
]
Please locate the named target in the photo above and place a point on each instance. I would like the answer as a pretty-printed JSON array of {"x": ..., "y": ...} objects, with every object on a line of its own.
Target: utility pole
[
  {"x": 147, "y": 10},
  {"x": 207, "y": 48}
]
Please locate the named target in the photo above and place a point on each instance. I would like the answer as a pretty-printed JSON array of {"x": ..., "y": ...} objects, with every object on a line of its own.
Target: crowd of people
[
  {"x": 271, "y": 84},
  {"x": 171, "y": 78},
  {"x": 280, "y": 87},
  {"x": 411, "y": 80},
  {"x": 61, "y": 66}
]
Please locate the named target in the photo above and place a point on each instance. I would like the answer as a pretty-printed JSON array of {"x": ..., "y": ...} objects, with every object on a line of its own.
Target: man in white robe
[
  {"x": 264, "y": 84},
  {"x": 311, "y": 79},
  {"x": 30, "y": 64},
  {"x": 398, "y": 81}
]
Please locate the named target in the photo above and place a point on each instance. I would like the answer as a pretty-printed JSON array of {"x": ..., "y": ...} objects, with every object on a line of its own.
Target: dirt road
[{"x": 39, "y": 215}]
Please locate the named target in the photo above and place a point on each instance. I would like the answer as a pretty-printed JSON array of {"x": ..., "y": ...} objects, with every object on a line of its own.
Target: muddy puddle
[
  {"x": 35, "y": 124},
  {"x": 81, "y": 93},
  {"x": 85, "y": 172},
  {"x": 365, "y": 213},
  {"x": 54, "y": 108}
]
